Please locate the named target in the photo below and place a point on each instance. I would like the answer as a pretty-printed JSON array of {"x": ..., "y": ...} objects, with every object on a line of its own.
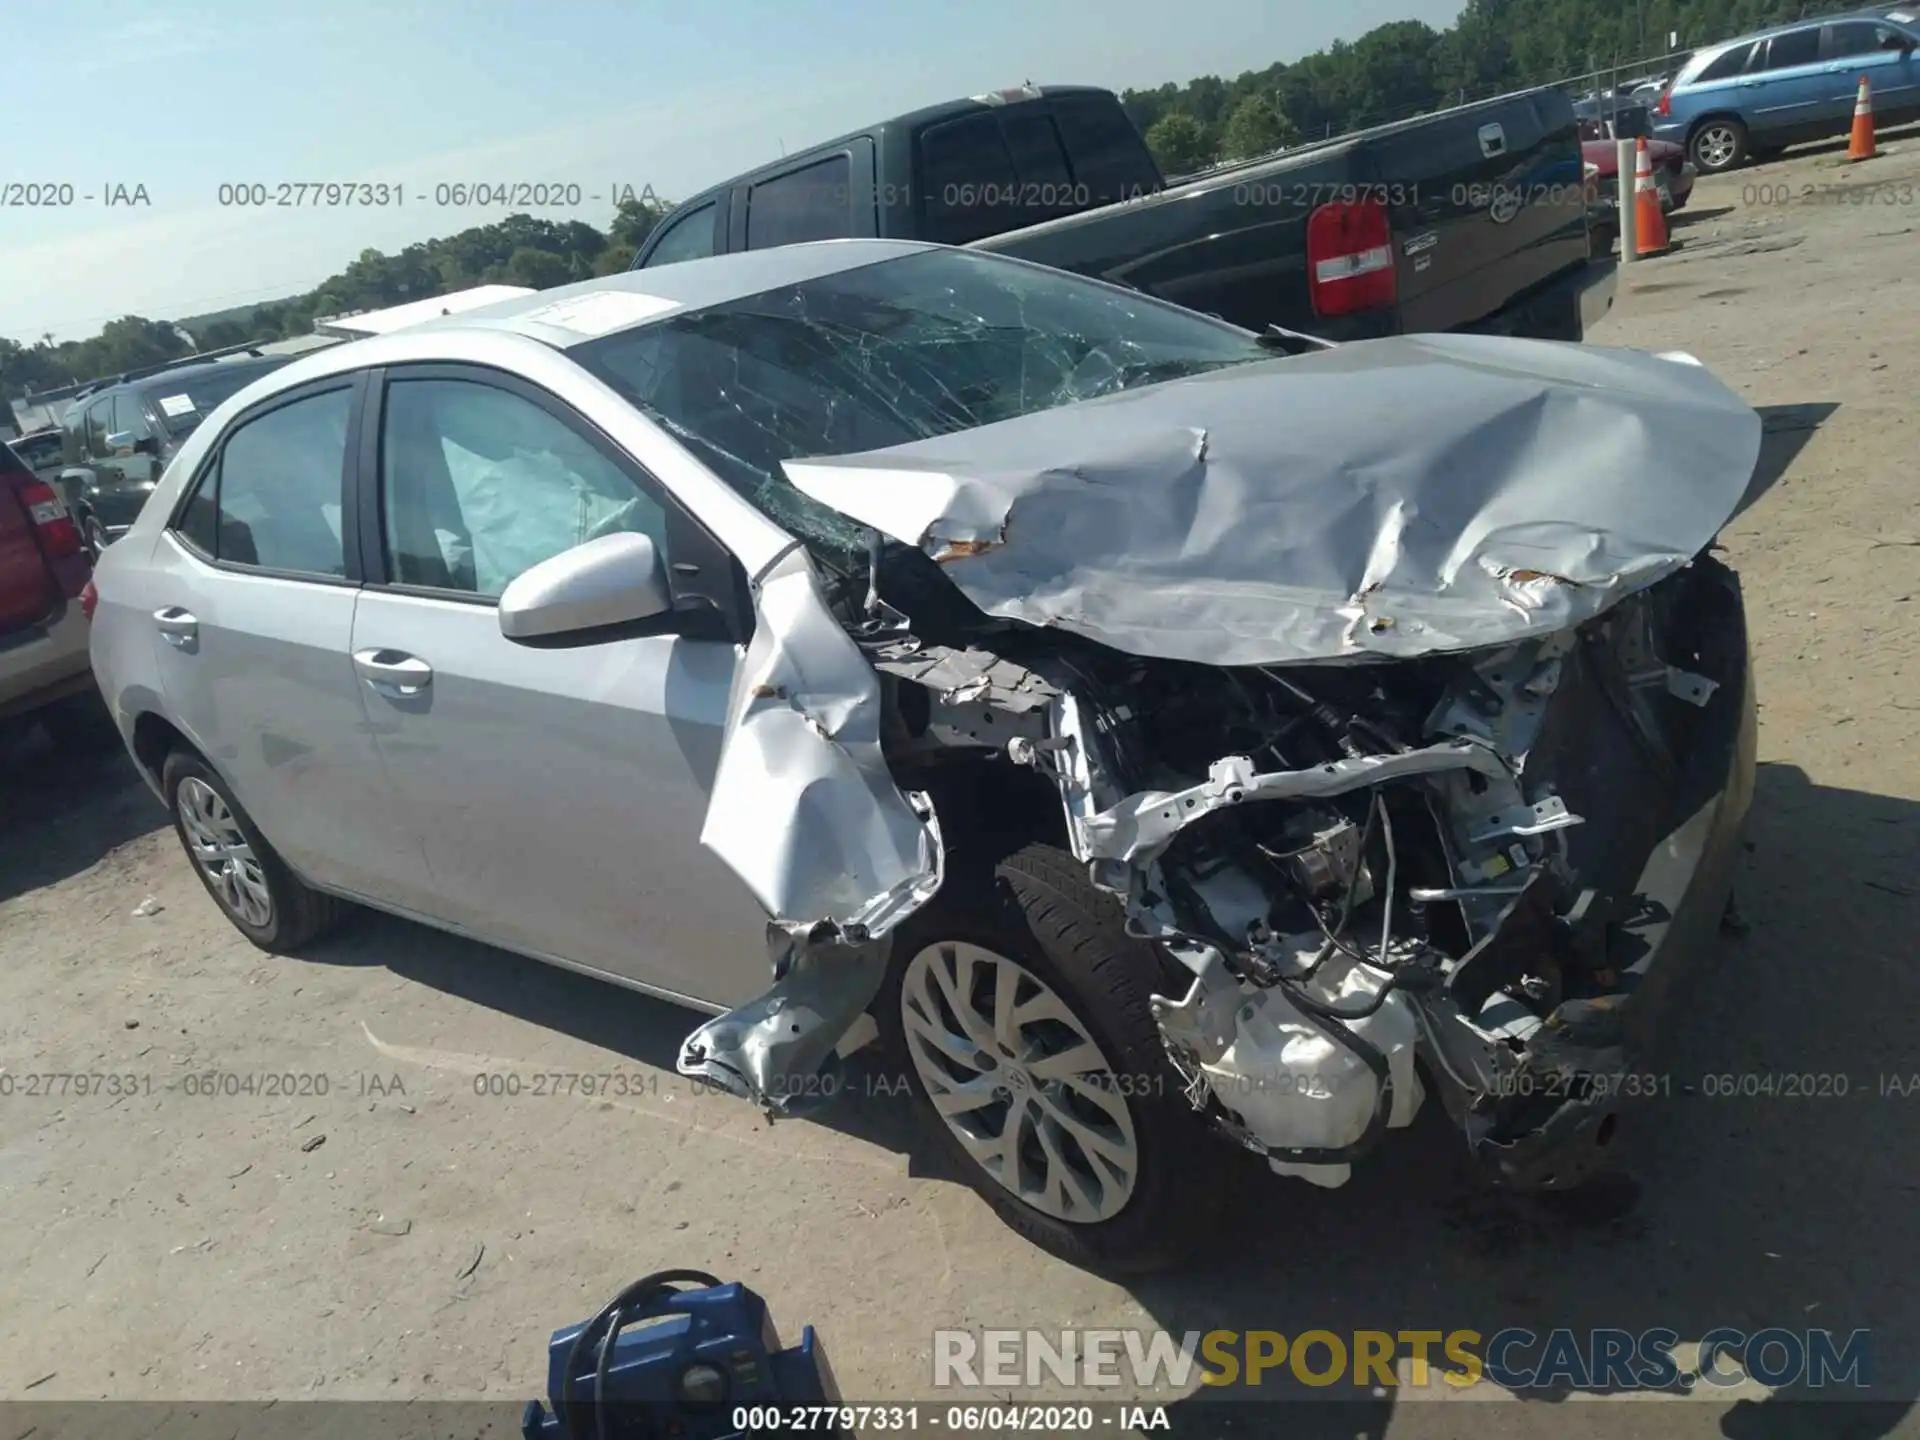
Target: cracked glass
[{"x": 902, "y": 350}]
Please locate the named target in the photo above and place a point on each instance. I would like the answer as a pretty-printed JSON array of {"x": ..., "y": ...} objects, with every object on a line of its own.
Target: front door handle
[
  {"x": 179, "y": 628},
  {"x": 393, "y": 673}
]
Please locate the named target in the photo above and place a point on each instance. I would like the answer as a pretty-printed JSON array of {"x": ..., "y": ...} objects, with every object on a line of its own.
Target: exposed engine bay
[
  {"x": 1395, "y": 843},
  {"x": 1354, "y": 864}
]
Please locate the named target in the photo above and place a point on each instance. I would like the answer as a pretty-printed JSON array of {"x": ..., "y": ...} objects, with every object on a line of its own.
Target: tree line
[
  {"x": 519, "y": 250},
  {"x": 1395, "y": 70},
  {"x": 1407, "y": 68}
]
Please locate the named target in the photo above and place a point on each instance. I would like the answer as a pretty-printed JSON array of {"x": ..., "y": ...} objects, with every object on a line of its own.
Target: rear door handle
[
  {"x": 179, "y": 628},
  {"x": 393, "y": 673}
]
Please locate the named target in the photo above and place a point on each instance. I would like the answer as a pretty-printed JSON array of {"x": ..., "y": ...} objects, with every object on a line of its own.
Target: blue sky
[{"x": 181, "y": 96}]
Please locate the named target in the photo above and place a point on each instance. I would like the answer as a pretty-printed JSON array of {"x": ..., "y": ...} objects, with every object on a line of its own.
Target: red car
[
  {"x": 1671, "y": 170},
  {"x": 45, "y": 607}
]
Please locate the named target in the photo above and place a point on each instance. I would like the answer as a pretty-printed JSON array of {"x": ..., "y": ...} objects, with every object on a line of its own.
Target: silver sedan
[{"x": 1165, "y": 733}]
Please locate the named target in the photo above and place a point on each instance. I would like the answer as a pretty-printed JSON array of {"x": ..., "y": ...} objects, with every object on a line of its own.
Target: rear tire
[
  {"x": 1718, "y": 144},
  {"x": 246, "y": 877},
  {"x": 1142, "y": 1179}
]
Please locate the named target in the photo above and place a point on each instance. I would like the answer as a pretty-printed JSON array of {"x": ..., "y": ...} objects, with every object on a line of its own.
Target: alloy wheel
[
  {"x": 221, "y": 850},
  {"x": 1019, "y": 1081},
  {"x": 1716, "y": 146}
]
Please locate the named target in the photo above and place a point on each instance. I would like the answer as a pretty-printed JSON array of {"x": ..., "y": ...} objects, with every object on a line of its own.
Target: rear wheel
[
  {"x": 247, "y": 879},
  {"x": 1718, "y": 145},
  {"x": 1017, "y": 1007}
]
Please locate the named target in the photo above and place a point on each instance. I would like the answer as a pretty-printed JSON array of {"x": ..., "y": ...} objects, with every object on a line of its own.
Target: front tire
[
  {"x": 245, "y": 876},
  {"x": 1718, "y": 145},
  {"x": 1017, "y": 1006}
]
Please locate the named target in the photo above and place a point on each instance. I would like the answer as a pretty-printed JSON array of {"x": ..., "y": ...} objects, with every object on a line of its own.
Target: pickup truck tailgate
[{"x": 1486, "y": 203}]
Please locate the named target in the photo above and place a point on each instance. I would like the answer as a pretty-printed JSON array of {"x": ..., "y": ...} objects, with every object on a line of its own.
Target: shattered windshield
[{"x": 903, "y": 350}]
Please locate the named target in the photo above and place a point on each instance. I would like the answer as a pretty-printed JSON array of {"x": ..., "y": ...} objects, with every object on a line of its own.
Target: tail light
[
  {"x": 1350, "y": 258},
  {"x": 89, "y": 599},
  {"x": 59, "y": 536},
  {"x": 1665, "y": 107}
]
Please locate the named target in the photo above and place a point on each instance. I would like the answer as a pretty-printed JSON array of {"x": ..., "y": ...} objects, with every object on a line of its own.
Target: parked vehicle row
[
  {"x": 1469, "y": 219},
  {"x": 115, "y": 441},
  {"x": 970, "y": 629},
  {"x": 1751, "y": 97}
]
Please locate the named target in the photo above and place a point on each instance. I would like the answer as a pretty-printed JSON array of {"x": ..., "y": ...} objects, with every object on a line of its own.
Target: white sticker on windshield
[
  {"x": 601, "y": 312},
  {"x": 176, "y": 405}
]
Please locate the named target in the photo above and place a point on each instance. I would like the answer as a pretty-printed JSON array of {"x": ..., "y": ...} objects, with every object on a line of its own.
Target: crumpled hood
[{"x": 1389, "y": 497}]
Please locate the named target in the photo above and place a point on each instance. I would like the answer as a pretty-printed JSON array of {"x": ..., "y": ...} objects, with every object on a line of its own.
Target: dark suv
[{"x": 118, "y": 437}]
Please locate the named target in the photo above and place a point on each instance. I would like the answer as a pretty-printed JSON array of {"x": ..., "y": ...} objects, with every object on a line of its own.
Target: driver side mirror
[{"x": 591, "y": 592}]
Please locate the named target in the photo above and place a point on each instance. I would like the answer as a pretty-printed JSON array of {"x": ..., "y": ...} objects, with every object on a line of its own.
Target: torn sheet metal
[
  {"x": 1142, "y": 825},
  {"x": 803, "y": 808},
  {"x": 775, "y": 1049},
  {"x": 1392, "y": 497}
]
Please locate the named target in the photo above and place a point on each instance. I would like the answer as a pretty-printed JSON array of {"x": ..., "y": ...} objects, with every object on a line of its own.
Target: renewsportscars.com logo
[{"x": 1514, "y": 1359}]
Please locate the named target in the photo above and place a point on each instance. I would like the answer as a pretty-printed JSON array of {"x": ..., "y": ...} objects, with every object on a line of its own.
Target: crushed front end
[{"x": 1492, "y": 862}]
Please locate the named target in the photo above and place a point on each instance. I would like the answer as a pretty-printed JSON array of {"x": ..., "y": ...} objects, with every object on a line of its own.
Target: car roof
[
  {"x": 174, "y": 374},
  {"x": 569, "y": 315},
  {"x": 1808, "y": 22}
]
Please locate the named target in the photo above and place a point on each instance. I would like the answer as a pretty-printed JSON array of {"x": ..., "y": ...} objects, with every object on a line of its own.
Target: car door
[
  {"x": 1785, "y": 90},
  {"x": 257, "y": 589},
  {"x": 130, "y": 446},
  {"x": 557, "y": 793},
  {"x": 101, "y": 490},
  {"x": 1876, "y": 50}
]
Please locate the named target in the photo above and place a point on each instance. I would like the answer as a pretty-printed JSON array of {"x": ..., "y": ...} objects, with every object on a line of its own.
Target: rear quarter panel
[{"x": 123, "y": 638}]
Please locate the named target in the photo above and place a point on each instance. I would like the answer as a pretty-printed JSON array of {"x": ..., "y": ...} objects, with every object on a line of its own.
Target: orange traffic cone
[
  {"x": 1860, "y": 147},
  {"x": 1649, "y": 224}
]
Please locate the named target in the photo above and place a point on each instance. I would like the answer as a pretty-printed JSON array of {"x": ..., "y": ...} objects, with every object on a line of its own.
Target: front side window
[
  {"x": 478, "y": 484},
  {"x": 688, "y": 238},
  {"x": 929, "y": 344},
  {"x": 1860, "y": 37},
  {"x": 279, "y": 487},
  {"x": 129, "y": 417},
  {"x": 99, "y": 426},
  {"x": 809, "y": 204}
]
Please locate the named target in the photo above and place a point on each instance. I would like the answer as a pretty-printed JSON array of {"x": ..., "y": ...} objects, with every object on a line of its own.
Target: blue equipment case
[{"x": 685, "y": 1364}]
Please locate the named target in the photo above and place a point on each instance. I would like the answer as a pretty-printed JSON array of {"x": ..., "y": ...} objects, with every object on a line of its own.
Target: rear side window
[
  {"x": 966, "y": 173},
  {"x": 1107, "y": 156},
  {"x": 809, "y": 204},
  {"x": 1725, "y": 65},
  {"x": 688, "y": 238},
  {"x": 277, "y": 489},
  {"x": 1796, "y": 47}
]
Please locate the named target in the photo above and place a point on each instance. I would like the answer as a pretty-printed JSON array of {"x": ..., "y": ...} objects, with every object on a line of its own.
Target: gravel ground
[{"x": 405, "y": 1235}]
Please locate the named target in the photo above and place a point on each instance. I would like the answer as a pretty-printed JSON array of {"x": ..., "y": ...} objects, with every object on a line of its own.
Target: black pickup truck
[{"x": 1473, "y": 218}]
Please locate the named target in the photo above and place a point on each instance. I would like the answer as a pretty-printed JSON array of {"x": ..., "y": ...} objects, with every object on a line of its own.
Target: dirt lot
[{"x": 402, "y": 1235}]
